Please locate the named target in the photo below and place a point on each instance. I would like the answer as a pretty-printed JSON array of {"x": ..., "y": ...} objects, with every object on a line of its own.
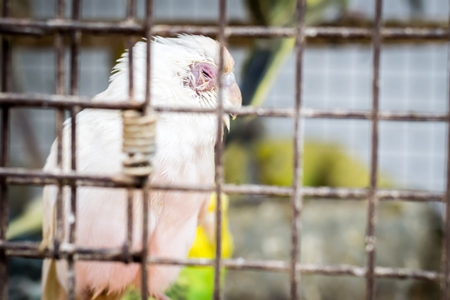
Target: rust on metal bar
[
  {"x": 218, "y": 151},
  {"x": 298, "y": 139},
  {"x": 148, "y": 26},
  {"x": 62, "y": 101},
  {"x": 32, "y": 250},
  {"x": 59, "y": 26},
  {"x": 145, "y": 240},
  {"x": 59, "y": 119},
  {"x": 37, "y": 177},
  {"x": 129, "y": 227},
  {"x": 74, "y": 84},
  {"x": 4, "y": 153},
  {"x": 146, "y": 189},
  {"x": 131, "y": 18},
  {"x": 68, "y": 102},
  {"x": 367, "y": 115},
  {"x": 371, "y": 240},
  {"x": 15, "y": 26}
]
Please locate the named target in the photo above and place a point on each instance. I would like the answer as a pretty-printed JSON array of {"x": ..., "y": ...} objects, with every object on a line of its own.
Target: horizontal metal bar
[
  {"x": 362, "y": 194},
  {"x": 15, "y": 26},
  {"x": 32, "y": 250},
  {"x": 60, "y": 101},
  {"x": 382, "y": 115},
  {"x": 37, "y": 177}
]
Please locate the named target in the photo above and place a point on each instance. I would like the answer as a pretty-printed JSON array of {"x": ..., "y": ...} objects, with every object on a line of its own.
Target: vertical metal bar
[
  {"x": 74, "y": 49},
  {"x": 6, "y": 50},
  {"x": 218, "y": 176},
  {"x": 60, "y": 89},
  {"x": 445, "y": 284},
  {"x": 4, "y": 155},
  {"x": 4, "y": 207},
  {"x": 298, "y": 153},
  {"x": 148, "y": 36},
  {"x": 373, "y": 199},
  {"x": 129, "y": 233},
  {"x": 146, "y": 189},
  {"x": 144, "y": 254},
  {"x": 74, "y": 57},
  {"x": 131, "y": 11}
]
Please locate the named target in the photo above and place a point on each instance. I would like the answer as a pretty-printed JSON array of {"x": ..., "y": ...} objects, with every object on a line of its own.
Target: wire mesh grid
[{"x": 73, "y": 27}]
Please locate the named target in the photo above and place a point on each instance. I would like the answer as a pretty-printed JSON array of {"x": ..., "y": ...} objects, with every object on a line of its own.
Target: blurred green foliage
[{"x": 270, "y": 161}]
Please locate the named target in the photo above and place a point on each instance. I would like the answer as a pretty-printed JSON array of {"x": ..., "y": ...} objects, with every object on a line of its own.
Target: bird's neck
[{"x": 188, "y": 143}]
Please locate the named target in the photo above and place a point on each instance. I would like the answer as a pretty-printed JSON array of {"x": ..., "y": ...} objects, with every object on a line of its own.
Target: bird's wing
[
  {"x": 51, "y": 287},
  {"x": 101, "y": 212}
]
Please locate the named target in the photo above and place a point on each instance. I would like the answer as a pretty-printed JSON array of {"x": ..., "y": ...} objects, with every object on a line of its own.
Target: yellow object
[{"x": 204, "y": 244}]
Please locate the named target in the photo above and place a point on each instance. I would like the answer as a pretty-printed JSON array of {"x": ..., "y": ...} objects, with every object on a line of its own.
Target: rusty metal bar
[
  {"x": 145, "y": 240},
  {"x": 148, "y": 26},
  {"x": 281, "y": 266},
  {"x": 218, "y": 149},
  {"x": 4, "y": 154},
  {"x": 59, "y": 119},
  {"x": 74, "y": 73},
  {"x": 296, "y": 199},
  {"x": 37, "y": 177},
  {"x": 50, "y": 26},
  {"x": 61, "y": 26},
  {"x": 129, "y": 227},
  {"x": 445, "y": 283},
  {"x": 67, "y": 102},
  {"x": 146, "y": 189},
  {"x": 31, "y": 250},
  {"x": 127, "y": 244},
  {"x": 4, "y": 191},
  {"x": 131, "y": 16},
  {"x": 370, "y": 242},
  {"x": 62, "y": 101}
]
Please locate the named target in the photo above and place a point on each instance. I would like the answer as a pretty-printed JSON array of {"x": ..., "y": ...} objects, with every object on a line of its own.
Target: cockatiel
[{"x": 184, "y": 74}]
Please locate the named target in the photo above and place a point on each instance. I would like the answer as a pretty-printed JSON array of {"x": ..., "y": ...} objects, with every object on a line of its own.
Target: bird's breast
[{"x": 185, "y": 150}]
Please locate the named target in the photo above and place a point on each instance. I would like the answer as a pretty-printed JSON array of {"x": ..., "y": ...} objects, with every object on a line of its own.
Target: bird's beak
[{"x": 234, "y": 95}]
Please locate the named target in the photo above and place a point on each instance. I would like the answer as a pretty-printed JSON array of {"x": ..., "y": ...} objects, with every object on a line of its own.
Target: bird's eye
[
  {"x": 207, "y": 73},
  {"x": 202, "y": 77}
]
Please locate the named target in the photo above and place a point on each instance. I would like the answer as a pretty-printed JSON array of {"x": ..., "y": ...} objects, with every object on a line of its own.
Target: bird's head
[{"x": 194, "y": 61}]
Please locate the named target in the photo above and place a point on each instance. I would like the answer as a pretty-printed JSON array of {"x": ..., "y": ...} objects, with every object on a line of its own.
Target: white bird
[{"x": 184, "y": 74}]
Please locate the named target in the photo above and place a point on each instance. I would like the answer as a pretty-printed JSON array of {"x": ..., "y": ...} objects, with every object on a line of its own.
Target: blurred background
[{"x": 337, "y": 75}]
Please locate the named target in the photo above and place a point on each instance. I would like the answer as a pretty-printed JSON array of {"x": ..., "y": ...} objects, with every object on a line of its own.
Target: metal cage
[{"x": 73, "y": 27}]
